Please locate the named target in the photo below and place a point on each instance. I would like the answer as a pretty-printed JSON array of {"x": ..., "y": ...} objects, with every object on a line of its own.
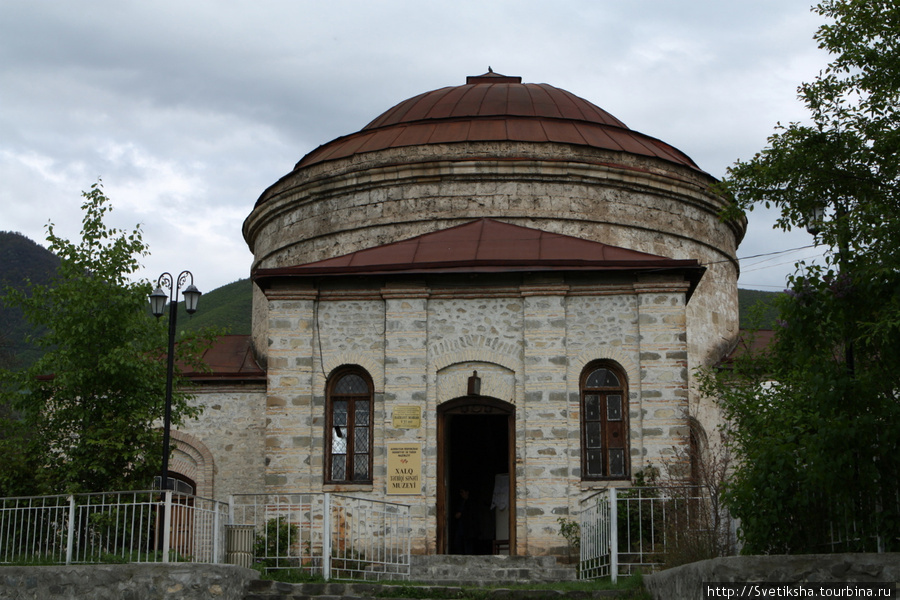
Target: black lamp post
[
  {"x": 815, "y": 221},
  {"x": 157, "y": 306}
]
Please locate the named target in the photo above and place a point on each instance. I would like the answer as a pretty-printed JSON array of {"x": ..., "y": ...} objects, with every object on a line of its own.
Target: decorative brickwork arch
[
  {"x": 700, "y": 464},
  {"x": 475, "y": 348},
  {"x": 501, "y": 360},
  {"x": 193, "y": 460},
  {"x": 578, "y": 363},
  {"x": 497, "y": 381},
  {"x": 372, "y": 365}
]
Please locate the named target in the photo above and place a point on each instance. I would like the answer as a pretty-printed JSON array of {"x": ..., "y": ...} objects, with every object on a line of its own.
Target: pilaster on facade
[
  {"x": 405, "y": 368},
  {"x": 290, "y": 441},
  {"x": 543, "y": 413},
  {"x": 406, "y": 391},
  {"x": 664, "y": 374}
]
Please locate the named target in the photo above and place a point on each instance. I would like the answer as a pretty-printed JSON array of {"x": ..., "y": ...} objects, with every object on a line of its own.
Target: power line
[
  {"x": 777, "y": 252},
  {"x": 766, "y": 256}
]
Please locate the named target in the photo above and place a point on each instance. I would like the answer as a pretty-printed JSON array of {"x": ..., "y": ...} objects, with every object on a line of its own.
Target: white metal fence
[
  {"x": 331, "y": 535},
  {"x": 867, "y": 525},
  {"x": 141, "y": 526},
  {"x": 367, "y": 539},
  {"x": 596, "y": 522},
  {"x": 623, "y": 530}
]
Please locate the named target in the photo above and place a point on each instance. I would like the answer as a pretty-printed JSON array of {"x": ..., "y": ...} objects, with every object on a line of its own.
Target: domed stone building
[{"x": 498, "y": 283}]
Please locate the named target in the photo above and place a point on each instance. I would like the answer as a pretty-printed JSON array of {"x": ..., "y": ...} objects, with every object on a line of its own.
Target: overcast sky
[{"x": 189, "y": 110}]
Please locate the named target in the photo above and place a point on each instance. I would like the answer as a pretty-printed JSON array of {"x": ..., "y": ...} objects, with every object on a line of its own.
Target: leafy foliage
[
  {"x": 82, "y": 416},
  {"x": 571, "y": 531},
  {"x": 819, "y": 446},
  {"x": 275, "y": 546}
]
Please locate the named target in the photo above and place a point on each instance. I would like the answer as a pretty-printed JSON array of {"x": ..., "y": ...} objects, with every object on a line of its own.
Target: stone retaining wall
[
  {"x": 125, "y": 582},
  {"x": 686, "y": 582}
]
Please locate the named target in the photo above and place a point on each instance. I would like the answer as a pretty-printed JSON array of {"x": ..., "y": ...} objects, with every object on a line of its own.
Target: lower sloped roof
[{"x": 486, "y": 246}]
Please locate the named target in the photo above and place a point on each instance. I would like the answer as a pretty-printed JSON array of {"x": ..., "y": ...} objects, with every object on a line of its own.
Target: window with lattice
[
  {"x": 348, "y": 434},
  {"x": 604, "y": 423}
]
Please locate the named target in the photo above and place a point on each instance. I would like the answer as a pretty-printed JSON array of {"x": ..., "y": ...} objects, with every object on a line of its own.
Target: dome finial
[{"x": 492, "y": 77}]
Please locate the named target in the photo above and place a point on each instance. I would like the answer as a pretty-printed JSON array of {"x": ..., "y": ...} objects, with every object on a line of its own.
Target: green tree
[
  {"x": 84, "y": 416},
  {"x": 819, "y": 447}
]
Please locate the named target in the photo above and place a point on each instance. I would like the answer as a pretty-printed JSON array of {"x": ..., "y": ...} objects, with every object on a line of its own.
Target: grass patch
[
  {"x": 429, "y": 591},
  {"x": 632, "y": 585},
  {"x": 35, "y": 560},
  {"x": 287, "y": 575}
]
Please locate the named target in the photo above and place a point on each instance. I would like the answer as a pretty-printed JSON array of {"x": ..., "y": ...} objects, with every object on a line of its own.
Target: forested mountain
[
  {"x": 21, "y": 261},
  {"x": 757, "y": 309},
  {"x": 228, "y": 307}
]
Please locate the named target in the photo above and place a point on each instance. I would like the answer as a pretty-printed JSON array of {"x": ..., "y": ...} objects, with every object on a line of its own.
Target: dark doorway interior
[{"x": 478, "y": 452}]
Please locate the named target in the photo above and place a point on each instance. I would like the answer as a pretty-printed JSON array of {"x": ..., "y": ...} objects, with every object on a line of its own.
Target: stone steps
[
  {"x": 445, "y": 576},
  {"x": 274, "y": 590},
  {"x": 488, "y": 570}
]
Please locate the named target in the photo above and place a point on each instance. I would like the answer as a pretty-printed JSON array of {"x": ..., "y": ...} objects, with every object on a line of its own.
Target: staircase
[
  {"x": 488, "y": 570},
  {"x": 445, "y": 575},
  {"x": 274, "y": 590}
]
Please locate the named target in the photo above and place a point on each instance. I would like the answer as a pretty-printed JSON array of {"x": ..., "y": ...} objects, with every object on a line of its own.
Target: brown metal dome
[{"x": 493, "y": 107}]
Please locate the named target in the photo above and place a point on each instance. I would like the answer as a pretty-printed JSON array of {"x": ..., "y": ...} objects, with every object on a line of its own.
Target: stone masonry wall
[
  {"x": 223, "y": 450},
  {"x": 687, "y": 581},
  {"x": 529, "y": 342},
  {"x": 130, "y": 582}
]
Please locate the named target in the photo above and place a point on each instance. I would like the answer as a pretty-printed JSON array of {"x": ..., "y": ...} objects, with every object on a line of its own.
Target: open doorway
[{"x": 475, "y": 484}]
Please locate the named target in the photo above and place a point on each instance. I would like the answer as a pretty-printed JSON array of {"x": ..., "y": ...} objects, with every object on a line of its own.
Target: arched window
[
  {"x": 348, "y": 433},
  {"x": 604, "y": 423}
]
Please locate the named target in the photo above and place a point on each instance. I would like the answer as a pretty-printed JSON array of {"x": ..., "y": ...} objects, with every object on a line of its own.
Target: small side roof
[
  {"x": 486, "y": 246},
  {"x": 229, "y": 359},
  {"x": 748, "y": 342}
]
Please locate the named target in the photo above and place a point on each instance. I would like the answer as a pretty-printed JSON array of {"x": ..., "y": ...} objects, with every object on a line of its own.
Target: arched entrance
[{"x": 476, "y": 453}]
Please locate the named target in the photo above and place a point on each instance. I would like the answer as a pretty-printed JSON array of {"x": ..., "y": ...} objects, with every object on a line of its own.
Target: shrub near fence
[
  {"x": 643, "y": 528},
  {"x": 327, "y": 534}
]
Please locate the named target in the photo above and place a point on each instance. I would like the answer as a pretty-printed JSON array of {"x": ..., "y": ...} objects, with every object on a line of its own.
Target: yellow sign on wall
[
  {"x": 404, "y": 469},
  {"x": 407, "y": 416}
]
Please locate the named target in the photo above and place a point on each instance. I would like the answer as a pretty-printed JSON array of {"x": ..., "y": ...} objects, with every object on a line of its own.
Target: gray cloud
[{"x": 188, "y": 111}]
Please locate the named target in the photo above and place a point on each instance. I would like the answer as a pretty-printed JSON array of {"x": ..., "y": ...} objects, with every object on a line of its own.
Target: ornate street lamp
[
  {"x": 157, "y": 306},
  {"x": 814, "y": 220}
]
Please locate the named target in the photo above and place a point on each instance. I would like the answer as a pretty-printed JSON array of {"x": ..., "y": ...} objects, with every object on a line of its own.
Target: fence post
[
  {"x": 70, "y": 535},
  {"x": 216, "y": 526},
  {"x": 167, "y": 526},
  {"x": 326, "y": 537},
  {"x": 613, "y": 536}
]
